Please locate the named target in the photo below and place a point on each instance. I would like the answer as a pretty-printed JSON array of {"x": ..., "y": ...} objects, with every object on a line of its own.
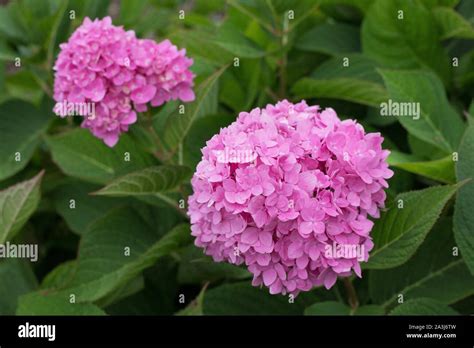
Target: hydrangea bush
[{"x": 237, "y": 157}]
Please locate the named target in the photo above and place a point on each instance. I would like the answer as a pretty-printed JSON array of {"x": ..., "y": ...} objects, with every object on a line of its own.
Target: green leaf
[
  {"x": 452, "y": 24},
  {"x": 328, "y": 308},
  {"x": 423, "y": 149},
  {"x": 244, "y": 299},
  {"x": 231, "y": 92},
  {"x": 407, "y": 43},
  {"x": 103, "y": 264},
  {"x": 17, "y": 204},
  {"x": 158, "y": 297},
  {"x": 20, "y": 135},
  {"x": 199, "y": 44},
  {"x": 178, "y": 126},
  {"x": 463, "y": 216},
  {"x": 353, "y": 90},
  {"x": 195, "y": 307},
  {"x": 17, "y": 279},
  {"x": 202, "y": 130},
  {"x": 231, "y": 39},
  {"x": 59, "y": 276},
  {"x": 24, "y": 86},
  {"x": 441, "y": 169},
  {"x": 400, "y": 231},
  {"x": 195, "y": 267},
  {"x": 330, "y": 38},
  {"x": 433, "y": 272},
  {"x": 423, "y": 306},
  {"x": 355, "y": 66},
  {"x": 338, "y": 308},
  {"x": 369, "y": 310},
  {"x": 361, "y": 5},
  {"x": 37, "y": 303},
  {"x": 148, "y": 181},
  {"x": 79, "y": 154},
  {"x": 352, "y": 77},
  {"x": 85, "y": 208},
  {"x": 90, "y": 8},
  {"x": 438, "y": 122}
]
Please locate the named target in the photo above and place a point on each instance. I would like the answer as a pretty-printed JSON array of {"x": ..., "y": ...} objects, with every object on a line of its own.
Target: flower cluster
[
  {"x": 311, "y": 185},
  {"x": 108, "y": 66}
]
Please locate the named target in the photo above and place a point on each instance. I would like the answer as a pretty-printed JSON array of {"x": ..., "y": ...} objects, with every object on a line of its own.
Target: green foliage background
[{"x": 404, "y": 50}]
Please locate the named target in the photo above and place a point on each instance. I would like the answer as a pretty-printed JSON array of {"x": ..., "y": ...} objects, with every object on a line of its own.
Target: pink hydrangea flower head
[
  {"x": 288, "y": 191},
  {"x": 107, "y": 67}
]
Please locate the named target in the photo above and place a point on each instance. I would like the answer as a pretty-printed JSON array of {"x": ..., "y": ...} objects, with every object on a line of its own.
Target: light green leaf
[
  {"x": 17, "y": 279},
  {"x": 17, "y": 204},
  {"x": 330, "y": 38},
  {"x": 148, "y": 181},
  {"x": 178, "y": 126},
  {"x": 433, "y": 272},
  {"x": 463, "y": 210},
  {"x": 423, "y": 306},
  {"x": 402, "y": 228},
  {"x": 452, "y": 24},
  {"x": 438, "y": 122},
  {"x": 79, "y": 154},
  {"x": 407, "y": 43},
  {"x": 37, "y": 303},
  {"x": 441, "y": 169},
  {"x": 20, "y": 135}
]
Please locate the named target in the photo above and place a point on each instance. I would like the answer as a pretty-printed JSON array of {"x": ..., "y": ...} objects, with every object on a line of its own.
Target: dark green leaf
[
  {"x": 17, "y": 279},
  {"x": 21, "y": 126},
  {"x": 433, "y": 272},
  {"x": 330, "y": 38},
  {"x": 463, "y": 212},
  {"x": 406, "y": 43},
  {"x": 405, "y": 225},
  {"x": 423, "y": 306}
]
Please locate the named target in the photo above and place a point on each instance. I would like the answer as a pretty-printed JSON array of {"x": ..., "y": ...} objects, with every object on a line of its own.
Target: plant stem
[
  {"x": 284, "y": 58},
  {"x": 351, "y": 294}
]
